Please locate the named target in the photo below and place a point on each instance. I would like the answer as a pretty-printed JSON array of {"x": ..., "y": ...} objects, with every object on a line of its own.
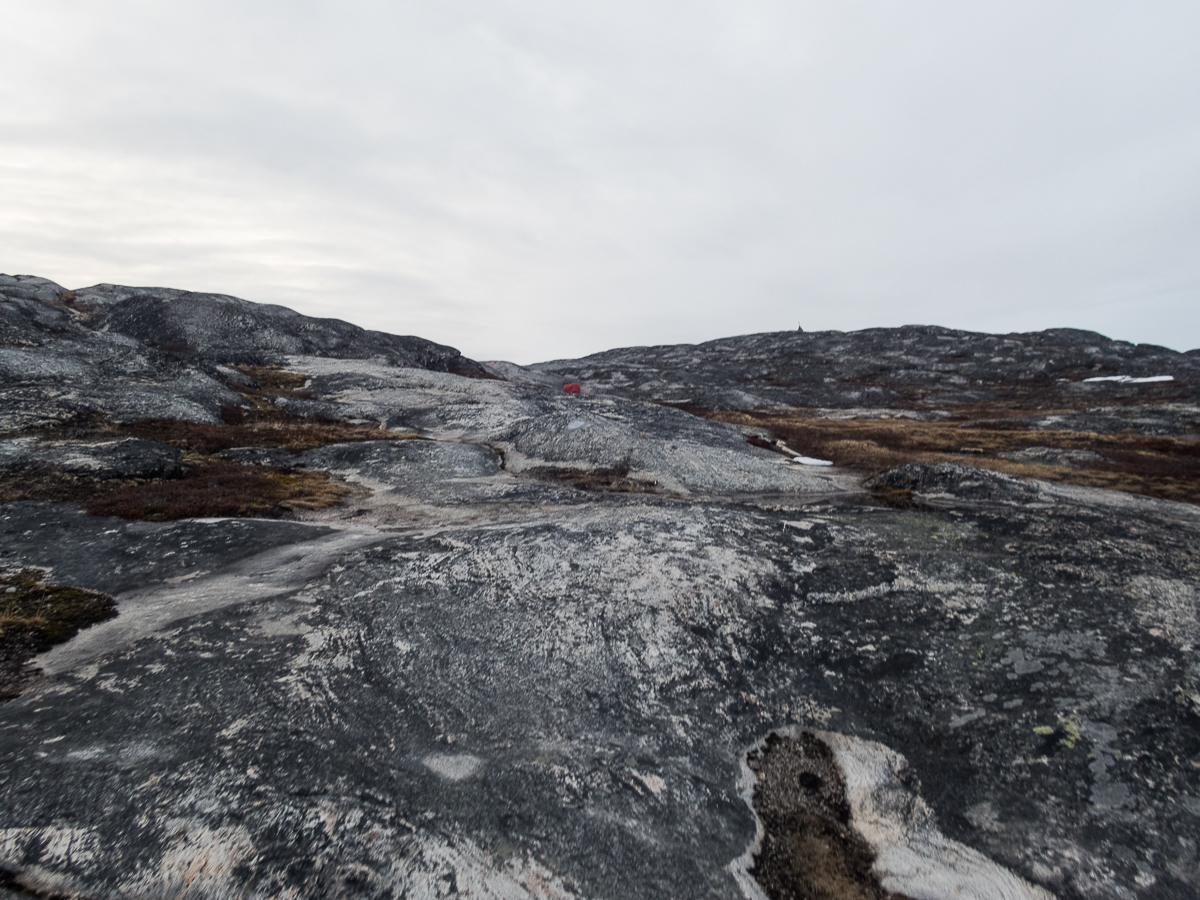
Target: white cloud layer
[{"x": 528, "y": 179}]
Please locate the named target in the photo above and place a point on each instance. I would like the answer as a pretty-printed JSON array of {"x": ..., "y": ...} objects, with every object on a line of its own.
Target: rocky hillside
[
  {"x": 134, "y": 353},
  {"x": 289, "y": 608},
  {"x": 910, "y": 368}
]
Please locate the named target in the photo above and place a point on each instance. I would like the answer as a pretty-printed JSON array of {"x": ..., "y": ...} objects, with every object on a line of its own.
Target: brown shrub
[
  {"x": 272, "y": 379},
  {"x": 1164, "y": 467},
  {"x": 218, "y": 488},
  {"x": 212, "y": 487},
  {"x": 283, "y": 431},
  {"x": 614, "y": 478},
  {"x": 56, "y": 487},
  {"x": 288, "y": 433},
  {"x": 233, "y": 415}
]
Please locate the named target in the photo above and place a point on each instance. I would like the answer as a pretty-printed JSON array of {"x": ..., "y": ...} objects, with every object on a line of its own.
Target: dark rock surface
[
  {"x": 910, "y": 367},
  {"x": 124, "y": 458},
  {"x": 231, "y": 328},
  {"x": 474, "y": 679}
]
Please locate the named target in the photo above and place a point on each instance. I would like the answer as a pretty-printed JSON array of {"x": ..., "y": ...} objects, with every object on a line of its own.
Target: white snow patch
[
  {"x": 1129, "y": 379},
  {"x": 811, "y": 461},
  {"x": 453, "y": 767},
  {"x": 912, "y": 856}
]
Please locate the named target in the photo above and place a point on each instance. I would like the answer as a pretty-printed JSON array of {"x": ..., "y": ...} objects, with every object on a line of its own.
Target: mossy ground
[
  {"x": 34, "y": 616},
  {"x": 1166, "y": 467},
  {"x": 210, "y": 486},
  {"x": 810, "y": 851},
  {"x": 611, "y": 478}
]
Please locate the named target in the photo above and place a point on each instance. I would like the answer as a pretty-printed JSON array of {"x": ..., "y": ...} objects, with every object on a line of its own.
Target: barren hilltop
[{"x": 289, "y": 608}]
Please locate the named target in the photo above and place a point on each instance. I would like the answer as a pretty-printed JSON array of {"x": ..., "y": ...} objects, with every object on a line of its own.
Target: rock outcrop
[
  {"x": 619, "y": 644},
  {"x": 141, "y": 353}
]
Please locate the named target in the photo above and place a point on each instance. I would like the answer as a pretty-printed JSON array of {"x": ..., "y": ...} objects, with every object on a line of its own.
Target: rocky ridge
[
  {"x": 909, "y": 368},
  {"x": 528, "y": 644}
]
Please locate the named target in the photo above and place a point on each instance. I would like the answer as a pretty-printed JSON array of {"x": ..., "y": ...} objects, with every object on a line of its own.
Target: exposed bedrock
[
  {"x": 915, "y": 365},
  {"x": 544, "y": 645},
  {"x": 567, "y": 702},
  {"x": 138, "y": 353},
  {"x": 123, "y": 458},
  {"x": 534, "y": 427}
]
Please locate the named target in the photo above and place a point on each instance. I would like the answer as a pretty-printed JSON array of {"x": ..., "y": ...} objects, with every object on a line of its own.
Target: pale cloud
[{"x": 533, "y": 179}]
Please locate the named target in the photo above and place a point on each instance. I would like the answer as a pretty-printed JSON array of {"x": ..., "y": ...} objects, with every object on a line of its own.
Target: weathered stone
[
  {"x": 477, "y": 679},
  {"x": 140, "y": 353},
  {"x": 914, "y": 367},
  {"x": 1055, "y": 456},
  {"x": 125, "y": 458}
]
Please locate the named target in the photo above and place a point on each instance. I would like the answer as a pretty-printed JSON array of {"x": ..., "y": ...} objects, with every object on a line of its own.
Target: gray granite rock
[
  {"x": 566, "y": 700},
  {"x": 140, "y": 353},
  {"x": 921, "y": 366},
  {"x": 534, "y": 425},
  {"x": 1054, "y": 456},
  {"x": 227, "y": 327},
  {"x": 477, "y": 679},
  {"x": 124, "y": 458}
]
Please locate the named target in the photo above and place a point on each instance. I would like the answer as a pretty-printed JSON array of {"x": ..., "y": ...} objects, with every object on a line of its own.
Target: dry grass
[
  {"x": 35, "y": 616},
  {"x": 211, "y": 487},
  {"x": 1164, "y": 467},
  {"x": 272, "y": 381},
  {"x": 282, "y": 431},
  {"x": 261, "y": 425},
  {"x": 285, "y": 432},
  {"x": 219, "y": 488},
  {"x": 70, "y": 300}
]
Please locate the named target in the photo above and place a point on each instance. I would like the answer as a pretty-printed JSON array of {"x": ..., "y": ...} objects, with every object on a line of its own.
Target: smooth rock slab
[
  {"x": 569, "y": 703},
  {"x": 124, "y": 458}
]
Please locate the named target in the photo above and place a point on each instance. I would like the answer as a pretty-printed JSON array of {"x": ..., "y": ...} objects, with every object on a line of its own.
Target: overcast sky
[{"x": 532, "y": 179}]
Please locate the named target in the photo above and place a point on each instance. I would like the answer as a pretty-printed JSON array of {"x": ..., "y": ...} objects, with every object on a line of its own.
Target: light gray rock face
[
  {"x": 541, "y": 426},
  {"x": 229, "y": 327},
  {"x": 475, "y": 680},
  {"x": 31, "y": 287},
  {"x": 64, "y": 394},
  {"x": 406, "y": 465},
  {"x": 1054, "y": 456}
]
